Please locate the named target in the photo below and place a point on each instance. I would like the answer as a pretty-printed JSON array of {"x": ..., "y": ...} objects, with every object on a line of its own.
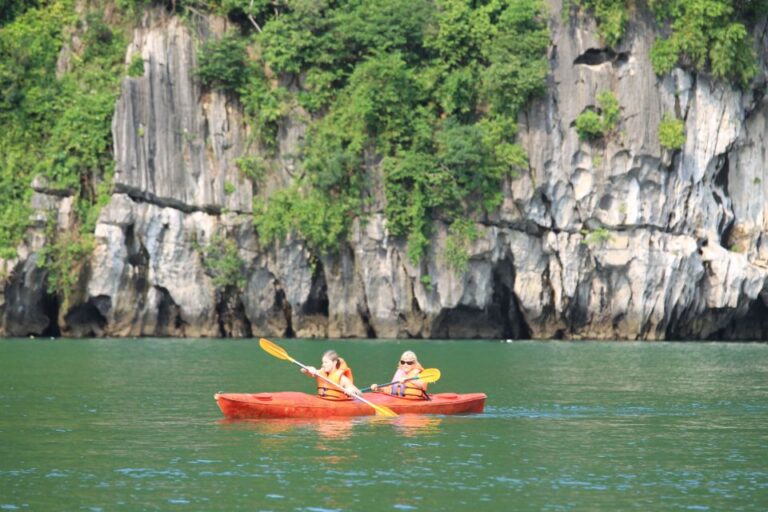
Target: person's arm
[
  {"x": 418, "y": 384},
  {"x": 349, "y": 388},
  {"x": 395, "y": 377}
]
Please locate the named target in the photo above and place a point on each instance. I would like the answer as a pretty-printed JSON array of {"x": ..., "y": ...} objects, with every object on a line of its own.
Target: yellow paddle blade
[
  {"x": 429, "y": 375},
  {"x": 381, "y": 410},
  {"x": 274, "y": 350}
]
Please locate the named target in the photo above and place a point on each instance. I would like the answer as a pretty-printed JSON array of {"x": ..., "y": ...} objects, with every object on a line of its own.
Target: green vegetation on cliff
[
  {"x": 424, "y": 92},
  {"x": 671, "y": 132},
  {"x": 708, "y": 35},
  {"x": 56, "y": 111},
  {"x": 592, "y": 125},
  {"x": 704, "y": 35}
]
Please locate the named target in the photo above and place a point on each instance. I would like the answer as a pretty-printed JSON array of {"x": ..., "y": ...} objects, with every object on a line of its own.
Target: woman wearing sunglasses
[{"x": 409, "y": 368}]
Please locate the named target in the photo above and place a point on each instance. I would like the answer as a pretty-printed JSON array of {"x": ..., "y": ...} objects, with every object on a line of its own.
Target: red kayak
[{"x": 292, "y": 404}]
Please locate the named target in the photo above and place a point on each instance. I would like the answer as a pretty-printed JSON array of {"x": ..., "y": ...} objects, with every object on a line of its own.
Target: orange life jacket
[
  {"x": 408, "y": 389},
  {"x": 330, "y": 392}
]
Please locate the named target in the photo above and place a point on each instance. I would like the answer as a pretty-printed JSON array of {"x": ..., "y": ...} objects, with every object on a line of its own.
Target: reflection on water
[
  {"x": 283, "y": 429},
  {"x": 412, "y": 425},
  {"x": 334, "y": 429},
  {"x": 286, "y": 428}
]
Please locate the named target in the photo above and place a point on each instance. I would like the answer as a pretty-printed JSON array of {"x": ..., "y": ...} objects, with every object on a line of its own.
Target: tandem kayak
[{"x": 292, "y": 404}]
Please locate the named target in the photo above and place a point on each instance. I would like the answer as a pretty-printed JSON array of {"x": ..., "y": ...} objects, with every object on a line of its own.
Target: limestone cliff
[{"x": 682, "y": 252}]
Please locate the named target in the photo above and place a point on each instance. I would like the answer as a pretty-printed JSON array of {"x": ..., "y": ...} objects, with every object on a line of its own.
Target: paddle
[
  {"x": 278, "y": 351},
  {"x": 428, "y": 375}
]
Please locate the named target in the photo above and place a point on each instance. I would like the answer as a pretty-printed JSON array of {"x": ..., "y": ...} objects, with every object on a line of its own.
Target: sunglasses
[{"x": 406, "y": 362}]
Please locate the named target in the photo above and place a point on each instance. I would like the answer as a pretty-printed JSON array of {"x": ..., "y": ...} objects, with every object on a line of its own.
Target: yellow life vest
[
  {"x": 408, "y": 389},
  {"x": 330, "y": 392}
]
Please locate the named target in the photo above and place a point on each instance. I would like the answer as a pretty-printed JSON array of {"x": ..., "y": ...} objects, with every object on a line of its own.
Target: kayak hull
[{"x": 291, "y": 404}]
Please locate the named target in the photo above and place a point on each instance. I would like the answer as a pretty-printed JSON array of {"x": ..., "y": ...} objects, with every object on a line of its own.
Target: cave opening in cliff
[
  {"x": 501, "y": 318},
  {"x": 138, "y": 256},
  {"x": 282, "y": 304},
  {"x": 514, "y": 325},
  {"x": 317, "y": 302},
  {"x": 169, "y": 320},
  {"x": 465, "y": 322},
  {"x": 370, "y": 332},
  {"x": 721, "y": 189},
  {"x": 232, "y": 319},
  {"x": 598, "y": 56},
  {"x": 50, "y": 306},
  {"x": 751, "y": 326},
  {"x": 86, "y": 319}
]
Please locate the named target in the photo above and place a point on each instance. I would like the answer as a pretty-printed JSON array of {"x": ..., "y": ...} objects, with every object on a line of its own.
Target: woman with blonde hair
[{"x": 406, "y": 385}]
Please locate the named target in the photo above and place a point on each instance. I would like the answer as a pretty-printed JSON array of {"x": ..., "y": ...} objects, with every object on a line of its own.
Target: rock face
[
  {"x": 612, "y": 239},
  {"x": 175, "y": 145}
]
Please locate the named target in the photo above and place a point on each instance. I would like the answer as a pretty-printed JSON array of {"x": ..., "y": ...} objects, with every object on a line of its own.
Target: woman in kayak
[
  {"x": 336, "y": 370},
  {"x": 409, "y": 368}
]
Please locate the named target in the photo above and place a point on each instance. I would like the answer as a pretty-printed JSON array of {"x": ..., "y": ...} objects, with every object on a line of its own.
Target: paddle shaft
[{"x": 390, "y": 383}]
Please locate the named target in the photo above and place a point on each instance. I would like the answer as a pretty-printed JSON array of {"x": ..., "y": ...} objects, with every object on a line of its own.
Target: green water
[{"x": 132, "y": 425}]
